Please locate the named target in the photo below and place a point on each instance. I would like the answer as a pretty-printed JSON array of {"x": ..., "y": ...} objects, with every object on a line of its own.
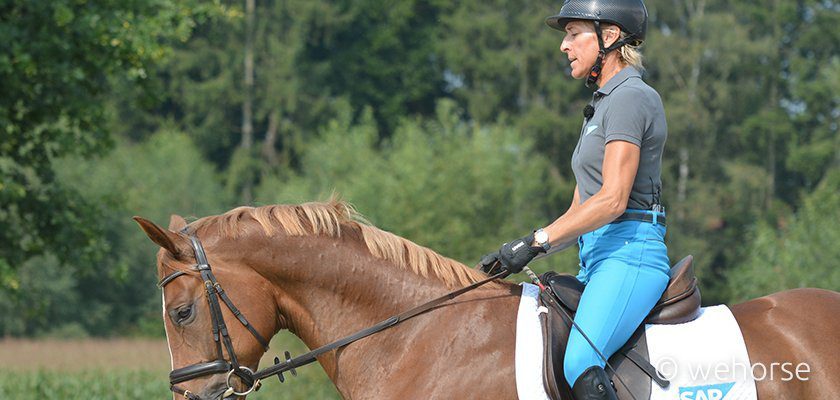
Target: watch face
[{"x": 541, "y": 237}]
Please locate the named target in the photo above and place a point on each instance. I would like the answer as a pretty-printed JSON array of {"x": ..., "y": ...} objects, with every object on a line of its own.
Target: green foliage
[
  {"x": 501, "y": 59},
  {"x": 45, "y": 299},
  {"x": 128, "y": 384},
  {"x": 380, "y": 54},
  {"x": 165, "y": 174},
  {"x": 23, "y": 382},
  {"x": 459, "y": 189},
  {"x": 92, "y": 384},
  {"x": 58, "y": 59},
  {"x": 803, "y": 253}
]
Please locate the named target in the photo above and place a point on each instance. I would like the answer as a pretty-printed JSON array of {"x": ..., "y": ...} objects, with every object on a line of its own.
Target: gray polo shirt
[{"x": 627, "y": 109}]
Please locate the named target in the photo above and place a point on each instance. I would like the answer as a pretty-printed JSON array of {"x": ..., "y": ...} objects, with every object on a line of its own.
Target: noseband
[{"x": 221, "y": 336}]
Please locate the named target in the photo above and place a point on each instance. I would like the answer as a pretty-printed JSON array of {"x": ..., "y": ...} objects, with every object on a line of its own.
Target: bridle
[
  {"x": 249, "y": 377},
  {"x": 221, "y": 336}
]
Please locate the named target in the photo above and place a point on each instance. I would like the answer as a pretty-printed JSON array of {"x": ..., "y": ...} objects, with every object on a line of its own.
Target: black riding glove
[
  {"x": 514, "y": 255},
  {"x": 488, "y": 262}
]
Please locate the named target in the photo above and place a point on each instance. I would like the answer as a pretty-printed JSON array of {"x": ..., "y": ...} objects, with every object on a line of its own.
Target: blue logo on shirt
[{"x": 707, "y": 392}]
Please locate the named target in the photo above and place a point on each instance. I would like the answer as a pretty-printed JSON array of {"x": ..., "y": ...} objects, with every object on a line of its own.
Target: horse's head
[{"x": 198, "y": 301}]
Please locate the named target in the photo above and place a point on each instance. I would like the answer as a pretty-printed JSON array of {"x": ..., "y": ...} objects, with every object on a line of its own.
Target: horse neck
[{"x": 330, "y": 287}]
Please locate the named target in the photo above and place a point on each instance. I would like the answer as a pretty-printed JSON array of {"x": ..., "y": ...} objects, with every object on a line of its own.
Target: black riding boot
[{"x": 593, "y": 384}]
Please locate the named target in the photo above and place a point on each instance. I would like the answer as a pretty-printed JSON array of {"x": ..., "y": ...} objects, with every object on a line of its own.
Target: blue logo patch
[{"x": 707, "y": 392}]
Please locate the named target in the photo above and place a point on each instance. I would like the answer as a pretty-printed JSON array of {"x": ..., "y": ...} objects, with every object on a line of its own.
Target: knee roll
[{"x": 593, "y": 384}]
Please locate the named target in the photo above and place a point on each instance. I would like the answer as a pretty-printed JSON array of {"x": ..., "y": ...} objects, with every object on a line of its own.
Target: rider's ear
[
  {"x": 173, "y": 242},
  {"x": 610, "y": 34}
]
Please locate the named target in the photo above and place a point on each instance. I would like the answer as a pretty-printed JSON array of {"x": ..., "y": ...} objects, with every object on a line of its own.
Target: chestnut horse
[{"x": 320, "y": 271}]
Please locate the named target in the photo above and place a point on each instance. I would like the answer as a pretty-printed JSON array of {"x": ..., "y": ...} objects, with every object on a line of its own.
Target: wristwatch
[{"x": 541, "y": 238}]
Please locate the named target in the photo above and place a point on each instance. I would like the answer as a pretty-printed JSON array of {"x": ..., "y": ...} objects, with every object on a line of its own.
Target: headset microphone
[{"x": 588, "y": 111}]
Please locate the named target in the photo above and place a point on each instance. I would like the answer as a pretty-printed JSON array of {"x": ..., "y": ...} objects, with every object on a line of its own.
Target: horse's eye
[{"x": 183, "y": 314}]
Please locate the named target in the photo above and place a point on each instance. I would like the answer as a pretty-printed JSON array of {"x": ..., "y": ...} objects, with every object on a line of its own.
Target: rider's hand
[
  {"x": 488, "y": 262},
  {"x": 514, "y": 255}
]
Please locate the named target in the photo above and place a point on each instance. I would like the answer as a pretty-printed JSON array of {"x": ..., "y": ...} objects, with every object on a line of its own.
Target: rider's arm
[
  {"x": 575, "y": 201},
  {"x": 621, "y": 161}
]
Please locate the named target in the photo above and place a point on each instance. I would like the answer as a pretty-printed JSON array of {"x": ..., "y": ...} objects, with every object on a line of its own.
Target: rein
[
  {"x": 310, "y": 357},
  {"x": 249, "y": 377}
]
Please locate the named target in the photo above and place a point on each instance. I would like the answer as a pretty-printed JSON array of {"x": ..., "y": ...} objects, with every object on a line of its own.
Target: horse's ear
[
  {"x": 177, "y": 223},
  {"x": 174, "y": 243}
]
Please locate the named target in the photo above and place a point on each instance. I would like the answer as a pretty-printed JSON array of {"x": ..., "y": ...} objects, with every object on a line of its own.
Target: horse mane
[{"x": 334, "y": 218}]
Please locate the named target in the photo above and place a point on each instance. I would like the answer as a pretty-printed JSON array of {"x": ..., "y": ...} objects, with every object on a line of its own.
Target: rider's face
[{"x": 581, "y": 46}]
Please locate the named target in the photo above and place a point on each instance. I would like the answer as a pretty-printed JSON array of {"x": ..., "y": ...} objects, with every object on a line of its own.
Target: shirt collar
[{"x": 619, "y": 78}]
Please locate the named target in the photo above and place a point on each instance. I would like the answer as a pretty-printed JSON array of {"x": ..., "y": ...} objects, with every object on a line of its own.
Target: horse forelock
[{"x": 331, "y": 219}]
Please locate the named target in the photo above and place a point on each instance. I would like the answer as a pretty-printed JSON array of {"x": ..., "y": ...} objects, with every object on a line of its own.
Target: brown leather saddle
[{"x": 680, "y": 303}]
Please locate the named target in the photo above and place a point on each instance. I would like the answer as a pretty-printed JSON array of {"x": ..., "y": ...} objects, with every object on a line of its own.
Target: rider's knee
[{"x": 574, "y": 363}]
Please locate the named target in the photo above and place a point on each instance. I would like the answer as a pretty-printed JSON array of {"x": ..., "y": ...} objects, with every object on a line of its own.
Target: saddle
[{"x": 680, "y": 303}]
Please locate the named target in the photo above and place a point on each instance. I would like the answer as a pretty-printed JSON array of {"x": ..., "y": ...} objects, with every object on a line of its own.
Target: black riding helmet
[{"x": 630, "y": 15}]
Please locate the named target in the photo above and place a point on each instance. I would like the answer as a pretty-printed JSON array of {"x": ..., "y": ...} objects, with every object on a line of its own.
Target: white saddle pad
[
  {"x": 529, "y": 346},
  {"x": 705, "y": 359}
]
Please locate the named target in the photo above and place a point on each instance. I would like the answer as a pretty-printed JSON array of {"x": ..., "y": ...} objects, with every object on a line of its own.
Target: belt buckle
[{"x": 657, "y": 209}]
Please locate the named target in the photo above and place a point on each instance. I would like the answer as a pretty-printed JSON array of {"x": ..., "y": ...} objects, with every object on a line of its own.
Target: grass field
[{"x": 125, "y": 369}]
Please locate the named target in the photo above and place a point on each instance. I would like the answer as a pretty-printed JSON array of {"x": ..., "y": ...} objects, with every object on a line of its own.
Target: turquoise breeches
[{"x": 625, "y": 267}]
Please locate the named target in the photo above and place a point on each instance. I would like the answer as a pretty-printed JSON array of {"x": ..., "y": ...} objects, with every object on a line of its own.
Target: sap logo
[{"x": 707, "y": 392}]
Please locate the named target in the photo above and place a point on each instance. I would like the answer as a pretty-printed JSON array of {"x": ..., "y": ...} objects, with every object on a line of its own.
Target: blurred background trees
[{"x": 451, "y": 124}]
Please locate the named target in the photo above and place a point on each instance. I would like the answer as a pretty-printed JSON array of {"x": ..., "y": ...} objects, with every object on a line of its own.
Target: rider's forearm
[{"x": 598, "y": 210}]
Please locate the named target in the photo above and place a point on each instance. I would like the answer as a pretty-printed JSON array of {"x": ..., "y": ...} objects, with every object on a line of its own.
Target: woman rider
[{"x": 615, "y": 213}]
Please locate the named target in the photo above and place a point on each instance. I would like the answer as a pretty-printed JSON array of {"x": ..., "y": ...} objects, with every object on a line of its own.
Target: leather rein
[{"x": 251, "y": 378}]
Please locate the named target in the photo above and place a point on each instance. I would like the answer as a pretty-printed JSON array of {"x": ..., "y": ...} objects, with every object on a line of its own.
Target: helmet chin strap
[{"x": 595, "y": 72}]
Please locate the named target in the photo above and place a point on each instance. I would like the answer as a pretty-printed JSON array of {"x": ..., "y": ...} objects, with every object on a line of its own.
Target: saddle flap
[{"x": 556, "y": 328}]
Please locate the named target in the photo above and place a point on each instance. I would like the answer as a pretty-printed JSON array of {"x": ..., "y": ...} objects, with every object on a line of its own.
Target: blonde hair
[{"x": 629, "y": 53}]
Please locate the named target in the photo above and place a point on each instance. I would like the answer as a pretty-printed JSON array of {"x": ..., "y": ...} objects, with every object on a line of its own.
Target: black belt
[{"x": 643, "y": 217}]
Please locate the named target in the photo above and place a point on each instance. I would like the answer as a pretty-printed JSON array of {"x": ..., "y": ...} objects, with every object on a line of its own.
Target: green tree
[
  {"x": 717, "y": 66},
  {"x": 378, "y": 54},
  {"x": 166, "y": 174},
  {"x": 163, "y": 175},
  {"x": 459, "y": 189},
  {"x": 57, "y": 62},
  {"x": 804, "y": 253},
  {"x": 500, "y": 58},
  {"x": 372, "y": 54},
  {"x": 47, "y": 299},
  {"x": 813, "y": 78}
]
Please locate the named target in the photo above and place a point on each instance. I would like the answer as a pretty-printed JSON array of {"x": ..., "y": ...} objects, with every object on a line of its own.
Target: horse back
[{"x": 793, "y": 328}]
